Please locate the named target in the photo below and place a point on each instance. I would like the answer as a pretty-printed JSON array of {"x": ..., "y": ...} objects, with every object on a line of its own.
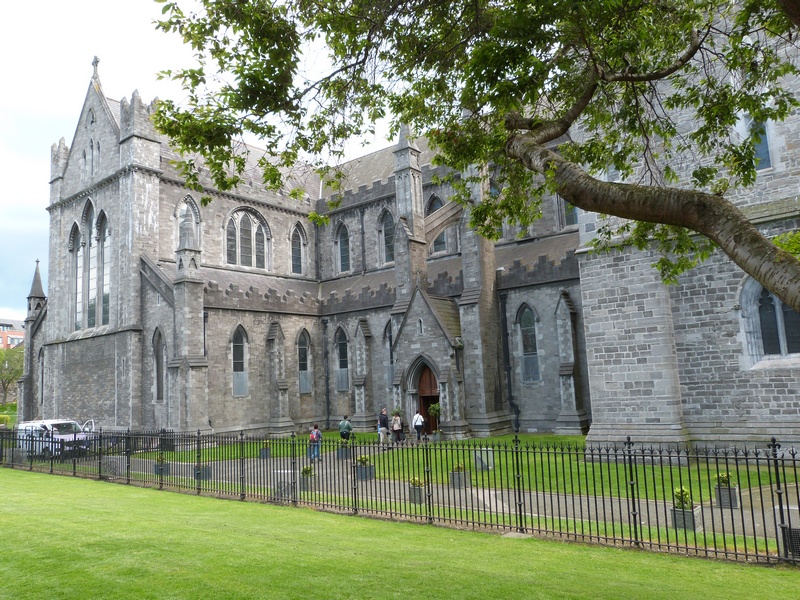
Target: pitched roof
[
  {"x": 37, "y": 291},
  {"x": 446, "y": 312}
]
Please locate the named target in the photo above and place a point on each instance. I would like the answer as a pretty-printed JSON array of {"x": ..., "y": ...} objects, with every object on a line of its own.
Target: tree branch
[
  {"x": 547, "y": 131},
  {"x": 707, "y": 214},
  {"x": 696, "y": 42}
]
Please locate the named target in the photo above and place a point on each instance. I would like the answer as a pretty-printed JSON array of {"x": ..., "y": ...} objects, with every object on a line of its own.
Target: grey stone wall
[
  {"x": 630, "y": 343},
  {"x": 540, "y": 400}
]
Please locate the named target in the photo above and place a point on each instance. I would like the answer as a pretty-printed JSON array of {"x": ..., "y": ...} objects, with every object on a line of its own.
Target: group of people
[
  {"x": 386, "y": 431},
  {"x": 397, "y": 431}
]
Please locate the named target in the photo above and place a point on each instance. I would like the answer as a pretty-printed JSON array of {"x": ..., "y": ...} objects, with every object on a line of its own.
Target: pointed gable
[
  {"x": 444, "y": 313},
  {"x": 95, "y": 141}
]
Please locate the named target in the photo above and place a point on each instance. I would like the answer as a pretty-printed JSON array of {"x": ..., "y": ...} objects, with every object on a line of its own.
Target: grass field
[{"x": 75, "y": 538}]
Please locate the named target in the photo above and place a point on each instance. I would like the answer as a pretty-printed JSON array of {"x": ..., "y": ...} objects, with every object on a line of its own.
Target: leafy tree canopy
[
  {"x": 11, "y": 368},
  {"x": 672, "y": 94}
]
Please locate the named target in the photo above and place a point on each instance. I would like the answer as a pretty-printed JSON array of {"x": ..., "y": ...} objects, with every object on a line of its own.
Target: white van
[{"x": 53, "y": 437}]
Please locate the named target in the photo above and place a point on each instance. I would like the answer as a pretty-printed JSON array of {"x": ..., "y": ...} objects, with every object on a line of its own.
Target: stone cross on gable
[{"x": 95, "y": 62}]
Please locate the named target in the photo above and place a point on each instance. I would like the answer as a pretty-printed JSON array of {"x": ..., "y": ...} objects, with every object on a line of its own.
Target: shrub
[
  {"x": 683, "y": 499},
  {"x": 459, "y": 467},
  {"x": 724, "y": 479},
  {"x": 363, "y": 460},
  {"x": 416, "y": 482},
  {"x": 307, "y": 471}
]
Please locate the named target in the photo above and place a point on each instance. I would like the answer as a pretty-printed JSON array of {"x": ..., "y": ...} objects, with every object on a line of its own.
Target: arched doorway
[{"x": 428, "y": 389}]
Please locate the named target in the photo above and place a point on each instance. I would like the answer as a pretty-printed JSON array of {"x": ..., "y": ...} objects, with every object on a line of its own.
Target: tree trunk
[
  {"x": 707, "y": 214},
  {"x": 791, "y": 8}
]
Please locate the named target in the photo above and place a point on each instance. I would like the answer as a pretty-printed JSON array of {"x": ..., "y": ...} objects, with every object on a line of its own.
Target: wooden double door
[{"x": 428, "y": 389}]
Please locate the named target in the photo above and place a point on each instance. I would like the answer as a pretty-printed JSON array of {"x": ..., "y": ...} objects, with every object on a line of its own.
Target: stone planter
[
  {"x": 202, "y": 473},
  {"x": 436, "y": 437},
  {"x": 307, "y": 484},
  {"x": 727, "y": 497},
  {"x": 790, "y": 538},
  {"x": 459, "y": 479},
  {"x": 365, "y": 472},
  {"x": 685, "y": 518},
  {"x": 416, "y": 495},
  {"x": 343, "y": 453},
  {"x": 161, "y": 470},
  {"x": 263, "y": 453}
]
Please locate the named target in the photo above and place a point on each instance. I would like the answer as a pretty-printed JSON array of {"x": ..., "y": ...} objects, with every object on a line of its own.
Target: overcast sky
[{"x": 47, "y": 47}]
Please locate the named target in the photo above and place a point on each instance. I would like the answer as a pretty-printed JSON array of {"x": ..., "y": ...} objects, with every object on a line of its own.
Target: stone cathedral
[{"x": 244, "y": 315}]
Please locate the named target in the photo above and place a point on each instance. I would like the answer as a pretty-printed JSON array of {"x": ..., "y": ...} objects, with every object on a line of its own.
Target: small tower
[
  {"x": 26, "y": 408},
  {"x": 189, "y": 368},
  {"x": 410, "y": 255},
  {"x": 36, "y": 297}
]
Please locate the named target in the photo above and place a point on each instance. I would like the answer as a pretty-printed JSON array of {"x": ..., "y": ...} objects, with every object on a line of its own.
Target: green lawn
[{"x": 75, "y": 538}]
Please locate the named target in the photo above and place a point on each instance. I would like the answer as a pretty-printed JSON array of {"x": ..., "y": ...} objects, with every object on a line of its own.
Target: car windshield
[{"x": 66, "y": 428}]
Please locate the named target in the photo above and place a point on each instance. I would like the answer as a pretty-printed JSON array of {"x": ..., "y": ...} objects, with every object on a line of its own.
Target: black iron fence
[{"x": 737, "y": 504}]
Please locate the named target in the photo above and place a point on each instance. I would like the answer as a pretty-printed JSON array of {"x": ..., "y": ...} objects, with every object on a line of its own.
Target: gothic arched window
[
  {"x": 239, "y": 355},
  {"x": 386, "y": 235},
  {"x": 91, "y": 267},
  {"x": 342, "y": 375},
  {"x": 440, "y": 243},
  {"x": 247, "y": 240},
  {"x": 343, "y": 250},
  {"x": 188, "y": 224},
  {"x": 388, "y": 339},
  {"x": 298, "y": 250},
  {"x": 758, "y": 132},
  {"x": 526, "y": 322},
  {"x": 780, "y": 326},
  {"x": 158, "y": 364},
  {"x": 303, "y": 362}
]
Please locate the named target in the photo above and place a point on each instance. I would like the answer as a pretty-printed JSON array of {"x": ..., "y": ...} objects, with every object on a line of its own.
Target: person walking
[
  {"x": 345, "y": 428},
  {"x": 417, "y": 423},
  {"x": 383, "y": 427},
  {"x": 314, "y": 443},
  {"x": 397, "y": 428}
]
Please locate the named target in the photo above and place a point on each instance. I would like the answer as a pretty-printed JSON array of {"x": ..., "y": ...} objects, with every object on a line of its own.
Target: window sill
[{"x": 791, "y": 361}]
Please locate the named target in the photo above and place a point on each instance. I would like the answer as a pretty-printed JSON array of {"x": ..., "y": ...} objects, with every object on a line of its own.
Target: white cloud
[
  {"x": 46, "y": 72},
  {"x": 48, "y": 47}
]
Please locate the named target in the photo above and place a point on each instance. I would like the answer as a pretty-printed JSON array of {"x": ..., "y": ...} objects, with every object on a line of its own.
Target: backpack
[{"x": 315, "y": 435}]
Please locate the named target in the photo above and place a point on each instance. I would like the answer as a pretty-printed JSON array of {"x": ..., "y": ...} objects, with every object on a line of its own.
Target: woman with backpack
[{"x": 314, "y": 440}]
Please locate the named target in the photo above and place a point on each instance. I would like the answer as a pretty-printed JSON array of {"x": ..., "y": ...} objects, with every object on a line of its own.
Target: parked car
[{"x": 54, "y": 437}]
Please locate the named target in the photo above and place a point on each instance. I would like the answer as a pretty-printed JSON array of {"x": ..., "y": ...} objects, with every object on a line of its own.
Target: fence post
[
  {"x": 61, "y": 446},
  {"x": 161, "y": 460},
  {"x": 516, "y": 452},
  {"x": 128, "y": 451},
  {"x": 198, "y": 460},
  {"x": 426, "y": 461},
  {"x": 354, "y": 475},
  {"x": 241, "y": 466},
  {"x": 294, "y": 468},
  {"x": 633, "y": 505},
  {"x": 99, "y": 453},
  {"x": 774, "y": 446}
]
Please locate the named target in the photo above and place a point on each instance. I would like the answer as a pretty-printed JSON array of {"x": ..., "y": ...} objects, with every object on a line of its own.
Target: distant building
[{"x": 11, "y": 333}]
